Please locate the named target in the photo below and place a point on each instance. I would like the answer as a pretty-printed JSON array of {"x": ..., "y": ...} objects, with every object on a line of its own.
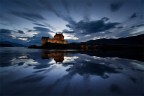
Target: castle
[{"x": 58, "y": 38}]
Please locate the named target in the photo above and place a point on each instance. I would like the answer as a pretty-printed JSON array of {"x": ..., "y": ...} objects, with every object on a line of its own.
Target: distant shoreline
[
  {"x": 133, "y": 53},
  {"x": 88, "y": 47}
]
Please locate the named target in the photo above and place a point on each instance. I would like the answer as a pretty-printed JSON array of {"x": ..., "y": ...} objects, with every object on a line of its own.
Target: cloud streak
[
  {"x": 65, "y": 17},
  {"x": 29, "y": 16}
]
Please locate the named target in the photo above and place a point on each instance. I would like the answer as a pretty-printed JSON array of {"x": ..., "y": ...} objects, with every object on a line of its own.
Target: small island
[{"x": 58, "y": 42}]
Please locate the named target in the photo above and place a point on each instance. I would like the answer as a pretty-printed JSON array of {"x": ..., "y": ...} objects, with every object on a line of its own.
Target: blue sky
[{"x": 26, "y": 21}]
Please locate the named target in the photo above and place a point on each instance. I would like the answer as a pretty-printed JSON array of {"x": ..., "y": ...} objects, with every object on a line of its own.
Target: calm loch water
[{"x": 36, "y": 72}]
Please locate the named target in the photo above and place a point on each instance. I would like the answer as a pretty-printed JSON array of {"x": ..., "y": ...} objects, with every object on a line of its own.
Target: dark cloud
[
  {"x": 60, "y": 14},
  {"x": 134, "y": 15},
  {"x": 88, "y": 5},
  {"x": 29, "y": 16},
  {"x": 67, "y": 17},
  {"x": 5, "y": 31},
  {"x": 45, "y": 24},
  {"x": 41, "y": 32},
  {"x": 120, "y": 27},
  {"x": 24, "y": 5},
  {"x": 20, "y": 31},
  {"x": 20, "y": 3},
  {"x": 105, "y": 19},
  {"x": 39, "y": 24},
  {"x": 9, "y": 33},
  {"x": 41, "y": 29},
  {"x": 93, "y": 26},
  {"x": 5, "y": 34},
  {"x": 66, "y": 6},
  {"x": 29, "y": 30},
  {"x": 67, "y": 31},
  {"x": 115, "y": 6}
]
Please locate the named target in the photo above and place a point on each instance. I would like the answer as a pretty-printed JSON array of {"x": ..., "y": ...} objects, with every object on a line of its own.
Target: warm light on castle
[{"x": 58, "y": 38}]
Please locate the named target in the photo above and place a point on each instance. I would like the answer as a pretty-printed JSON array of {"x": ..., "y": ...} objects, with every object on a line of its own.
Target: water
[{"x": 36, "y": 72}]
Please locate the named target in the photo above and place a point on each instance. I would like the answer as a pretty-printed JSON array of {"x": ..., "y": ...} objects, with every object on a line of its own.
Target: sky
[{"x": 26, "y": 21}]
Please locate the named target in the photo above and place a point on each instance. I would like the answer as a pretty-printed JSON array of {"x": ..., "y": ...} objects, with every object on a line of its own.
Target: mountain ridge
[{"x": 133, "y": 40}]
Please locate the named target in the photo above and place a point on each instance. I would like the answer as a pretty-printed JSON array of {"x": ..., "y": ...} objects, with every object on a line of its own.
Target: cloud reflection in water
[{"x": 41, "y": 72}]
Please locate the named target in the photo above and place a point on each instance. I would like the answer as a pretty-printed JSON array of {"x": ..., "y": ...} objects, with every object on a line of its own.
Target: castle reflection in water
[{"x": 58, "y": 56}]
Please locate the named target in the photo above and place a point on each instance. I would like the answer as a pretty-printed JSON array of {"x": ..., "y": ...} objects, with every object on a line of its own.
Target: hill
[
  {"x": 134, "y": 40},
  {"x": 10, "y": 44}
]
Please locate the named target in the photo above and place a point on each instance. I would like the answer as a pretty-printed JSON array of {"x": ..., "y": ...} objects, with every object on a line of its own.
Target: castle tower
[{"x": 59, "y": 36}]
